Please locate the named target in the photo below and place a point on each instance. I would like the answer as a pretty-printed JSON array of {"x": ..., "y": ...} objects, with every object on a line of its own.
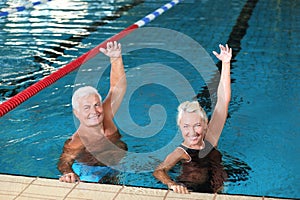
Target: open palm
[{"x": 225, "y": 54}]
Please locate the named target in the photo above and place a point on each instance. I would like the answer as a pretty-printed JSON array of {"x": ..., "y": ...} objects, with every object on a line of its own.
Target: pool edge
[{"x": 24, "y": 187}]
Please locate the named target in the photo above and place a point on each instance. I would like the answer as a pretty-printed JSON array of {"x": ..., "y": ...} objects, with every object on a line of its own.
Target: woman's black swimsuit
[{"x": 204, "y": 172}]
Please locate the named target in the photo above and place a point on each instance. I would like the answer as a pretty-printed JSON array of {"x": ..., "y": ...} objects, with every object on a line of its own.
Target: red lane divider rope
[
  {"x": 19, "y": 98},
  {"x": 38, "y": 86}
]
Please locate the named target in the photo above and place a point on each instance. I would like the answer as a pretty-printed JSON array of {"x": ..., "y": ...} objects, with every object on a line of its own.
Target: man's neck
[{"x": 91, "y": 130}]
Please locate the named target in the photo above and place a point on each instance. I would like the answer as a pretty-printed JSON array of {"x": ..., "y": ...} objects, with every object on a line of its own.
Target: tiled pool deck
[{"x": 21, "y": 187}]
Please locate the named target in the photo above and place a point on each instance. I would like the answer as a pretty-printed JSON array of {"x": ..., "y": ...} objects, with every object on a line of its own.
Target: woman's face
[{"x": 193, "y": 129}]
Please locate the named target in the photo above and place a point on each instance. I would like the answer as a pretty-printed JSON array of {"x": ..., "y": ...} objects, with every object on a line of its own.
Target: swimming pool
[{"x": 260, "y": 139}]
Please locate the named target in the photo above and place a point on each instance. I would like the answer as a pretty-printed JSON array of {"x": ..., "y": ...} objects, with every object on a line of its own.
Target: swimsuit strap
[
  {"x": 185, "y": 151},
  {"x": 201, "y": 153}
]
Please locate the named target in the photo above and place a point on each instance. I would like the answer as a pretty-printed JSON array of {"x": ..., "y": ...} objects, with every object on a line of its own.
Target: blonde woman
[{"x": 201, "y": 161}]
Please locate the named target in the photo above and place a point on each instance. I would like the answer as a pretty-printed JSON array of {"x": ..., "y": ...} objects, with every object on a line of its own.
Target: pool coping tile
[
  {"x": 22, "y": 187},
  {"x": 191, "y": 196},
  {"x": 16, "y": 179},
  {"x": 45, "y": 191},
  {"x": 236, "y": 197},
  {"x": 98, "y": 187},
  {"x": 12, "y": 186},
  {"x": 129, "y": 192}
]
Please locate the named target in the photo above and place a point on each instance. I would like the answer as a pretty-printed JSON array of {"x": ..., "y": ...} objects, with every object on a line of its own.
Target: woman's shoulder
[{"x": 181, "y": 151}]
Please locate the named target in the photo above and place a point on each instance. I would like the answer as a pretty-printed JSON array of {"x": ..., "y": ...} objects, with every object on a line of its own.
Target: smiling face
[
  {"x": 193, "y": 129},
  {"x": 192, "y": 121},
  {"x": 90, "y": 110}
]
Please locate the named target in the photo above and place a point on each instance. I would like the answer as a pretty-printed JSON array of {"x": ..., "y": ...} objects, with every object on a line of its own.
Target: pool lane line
[
  {"x": 237, "y": 34},
  {"x": 40, "y": 85},
  {"x": 21, "y": 8},
  {"x": 55, "y": 52},
  {"x": 239, "y": 30},
  {"x": 76, "y": 39}
]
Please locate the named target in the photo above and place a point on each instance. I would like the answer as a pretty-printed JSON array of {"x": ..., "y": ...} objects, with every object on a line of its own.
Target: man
[
  {"x": 201, "y": 169},
  {"x": 96, "y": 143}
]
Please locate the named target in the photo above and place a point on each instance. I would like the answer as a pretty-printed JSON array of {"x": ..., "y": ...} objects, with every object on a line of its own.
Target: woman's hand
[
  {"x": 178, "y": 188},
  {"x": 113, "y": 49},
  {"x": 225, "y": 54},
  {"x": 69, "y": 178}
]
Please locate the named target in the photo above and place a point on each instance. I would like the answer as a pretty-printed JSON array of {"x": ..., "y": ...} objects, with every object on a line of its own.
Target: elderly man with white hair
[{"x": 96, "y": 144}]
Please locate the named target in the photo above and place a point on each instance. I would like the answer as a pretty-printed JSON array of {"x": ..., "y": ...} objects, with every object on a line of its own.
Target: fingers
[
  {"x": 109, "y": 45},
  {"x": 113, "y": 49},
  {"x": 69, "y": 178},
  {"x": 224, "y": 48},
  {"x": 180, "y": 189},
  {"x": 224, "y": 51},
  {"x": 228, "y": 50},
  {"x": 221, "y": 47},
  {"x": 215, "y": 53},
  {"x": 103, "y": 50},
  {"x": 113, "y": 46}
]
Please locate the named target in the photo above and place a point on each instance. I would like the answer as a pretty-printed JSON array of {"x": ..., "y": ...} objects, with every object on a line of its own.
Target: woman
[{"x": 201, "y": 170}]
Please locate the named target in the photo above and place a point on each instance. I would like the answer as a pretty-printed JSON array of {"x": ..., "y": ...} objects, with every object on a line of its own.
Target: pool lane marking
[
  {"x": 239, "y": 30},
  {"x": 50, "y": 54},
  {"x": 21, "y": 8},
  {"x": 156, "y": 13},
  {"x": 40, "y": 85},
  {"x": 76, "y": 39},
  {"x": 61, "y": 47},
  {"x": 237, "y": 34}
]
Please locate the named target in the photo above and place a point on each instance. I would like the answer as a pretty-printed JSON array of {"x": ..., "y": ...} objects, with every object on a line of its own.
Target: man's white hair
[
  {"x": 83, "y": 92},
  {"x": 191, "y": 107}
]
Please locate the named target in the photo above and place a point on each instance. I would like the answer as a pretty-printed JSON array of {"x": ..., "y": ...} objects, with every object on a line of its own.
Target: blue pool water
[{"x": 260, "y": 141}]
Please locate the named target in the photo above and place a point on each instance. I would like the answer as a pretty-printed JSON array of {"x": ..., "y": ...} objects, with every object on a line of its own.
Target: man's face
[
  {"x": 192, "y": 129},
  {"x": 90, "y": 110}
]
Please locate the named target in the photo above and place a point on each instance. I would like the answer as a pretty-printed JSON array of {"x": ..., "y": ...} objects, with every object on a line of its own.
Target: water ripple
[{"x": 37, "y": 41}]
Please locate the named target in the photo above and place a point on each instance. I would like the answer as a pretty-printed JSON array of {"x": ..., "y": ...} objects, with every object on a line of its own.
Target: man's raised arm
[{"x": 118, "y": 82}]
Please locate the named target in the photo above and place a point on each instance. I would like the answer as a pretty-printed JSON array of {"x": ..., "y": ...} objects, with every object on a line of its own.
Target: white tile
[
  {"x": 236, "y": 197},
  {"x": 192, "y": 195},
  {"x": 143, "y": 191}
]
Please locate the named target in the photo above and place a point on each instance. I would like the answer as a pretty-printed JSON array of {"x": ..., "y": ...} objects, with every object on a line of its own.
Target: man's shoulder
[
  {"x": 112, "y": 132},
  {"x": 74, "y": 142}
]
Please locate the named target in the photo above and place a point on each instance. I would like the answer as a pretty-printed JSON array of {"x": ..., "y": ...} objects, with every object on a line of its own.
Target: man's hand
[
  {"x": 113, "y": 50},
  {"x": 69, "y": 178},
  {"x": 225, "y": 54}
]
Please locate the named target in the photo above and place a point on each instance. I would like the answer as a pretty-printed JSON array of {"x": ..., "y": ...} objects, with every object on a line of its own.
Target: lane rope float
[
  {"x": 9, "y": 11},
  {"x": 22, "y": 96}
]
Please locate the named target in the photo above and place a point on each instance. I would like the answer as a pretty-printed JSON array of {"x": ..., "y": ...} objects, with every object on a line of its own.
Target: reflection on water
[
  {"x": 37, "y": 41},
  {"x": 237, "y": 169}
]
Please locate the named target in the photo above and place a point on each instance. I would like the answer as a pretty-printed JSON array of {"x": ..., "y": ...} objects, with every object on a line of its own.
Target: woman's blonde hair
[{"x": 191, "y": 107}]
